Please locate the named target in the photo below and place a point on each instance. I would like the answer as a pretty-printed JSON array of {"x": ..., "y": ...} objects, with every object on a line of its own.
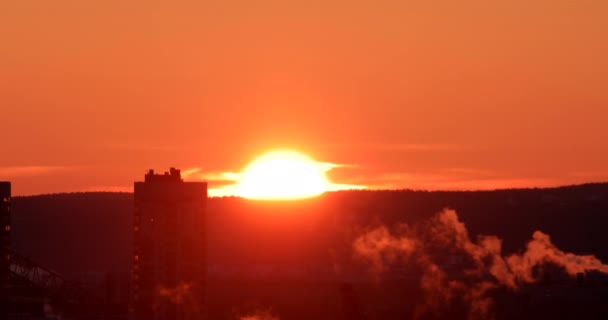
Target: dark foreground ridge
[{"x": 297, "y": 258}]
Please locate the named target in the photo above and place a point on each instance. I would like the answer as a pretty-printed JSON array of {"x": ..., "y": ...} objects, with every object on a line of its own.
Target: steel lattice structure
[{"x": 49, "y": 281}]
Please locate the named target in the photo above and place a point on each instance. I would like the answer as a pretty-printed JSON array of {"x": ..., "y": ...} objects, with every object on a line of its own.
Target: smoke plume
[
  {"x": 176, "y": 295},
  {"x": 483, "y": 267},
  {"x": 185, "y": 295},
  {"x": 262, "y": 315},
  {"x": 380, "y": 247},
  {"x": 257, "y": 313}
]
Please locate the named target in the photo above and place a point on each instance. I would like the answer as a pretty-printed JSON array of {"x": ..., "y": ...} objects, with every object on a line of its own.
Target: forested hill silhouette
[{"x": 84, "y": 232}]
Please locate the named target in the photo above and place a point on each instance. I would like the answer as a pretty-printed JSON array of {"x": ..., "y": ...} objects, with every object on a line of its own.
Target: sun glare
[{"x": 283, "y": 175}]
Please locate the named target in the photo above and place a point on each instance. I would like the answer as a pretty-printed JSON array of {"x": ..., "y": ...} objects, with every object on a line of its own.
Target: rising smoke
[
  {"x": 255, "y": 312},
  {"x": 178, "y": 294},
  {"x": 259, "y": 315},
  {"x": 185, "y": 295},
  {"x": 484, "y": 268}
]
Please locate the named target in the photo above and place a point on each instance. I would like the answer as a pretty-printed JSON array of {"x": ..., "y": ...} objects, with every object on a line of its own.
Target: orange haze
[{"x": 423, "y": 94}]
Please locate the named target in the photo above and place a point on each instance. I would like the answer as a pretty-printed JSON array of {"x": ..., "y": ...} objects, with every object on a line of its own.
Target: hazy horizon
[{"x": 130, "y": 190}]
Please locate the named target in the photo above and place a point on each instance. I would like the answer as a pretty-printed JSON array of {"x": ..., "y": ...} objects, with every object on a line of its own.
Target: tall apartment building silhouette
[{"x": 169, "y": 265}]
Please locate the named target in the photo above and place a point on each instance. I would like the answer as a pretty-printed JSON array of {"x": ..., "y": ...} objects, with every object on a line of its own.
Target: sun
[{"x": 283, "y": 175}]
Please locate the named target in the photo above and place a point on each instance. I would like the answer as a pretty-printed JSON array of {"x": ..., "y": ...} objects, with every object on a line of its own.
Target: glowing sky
[{"x": 423, "y": 94}]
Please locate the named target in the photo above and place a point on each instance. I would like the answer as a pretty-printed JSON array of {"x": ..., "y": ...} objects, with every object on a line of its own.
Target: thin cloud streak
[
  {"x": 26, "y": 171},
  {"x": 229, "y": 181},
  {"x": 406, "y": 147},
  {"x": 590, "y": 174},
  {"x": 214, "y": 176},
  {"x": 451, "y": 179},
  {"x": 143, "y": 147},
  {"x": 455, "y": 182}
]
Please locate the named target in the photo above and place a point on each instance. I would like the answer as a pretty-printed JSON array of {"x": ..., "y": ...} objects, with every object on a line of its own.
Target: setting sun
[{"x": 283, "y": 175}]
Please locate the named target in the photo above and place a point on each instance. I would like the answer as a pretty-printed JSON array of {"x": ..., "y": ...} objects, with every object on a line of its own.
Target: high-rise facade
[
  {"x": 5, "y": 243},
  {"x": 169, "y": 265}
]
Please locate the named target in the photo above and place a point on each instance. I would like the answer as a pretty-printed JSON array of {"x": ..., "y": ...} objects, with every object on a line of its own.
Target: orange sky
[{"x": 423, "y": 94}]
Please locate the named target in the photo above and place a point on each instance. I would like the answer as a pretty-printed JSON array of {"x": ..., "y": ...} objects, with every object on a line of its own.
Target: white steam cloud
[
  {"x": 485, "y": 269},
  {"x": 185, "y": 295},
  {"x": 257, "y": 313}
]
